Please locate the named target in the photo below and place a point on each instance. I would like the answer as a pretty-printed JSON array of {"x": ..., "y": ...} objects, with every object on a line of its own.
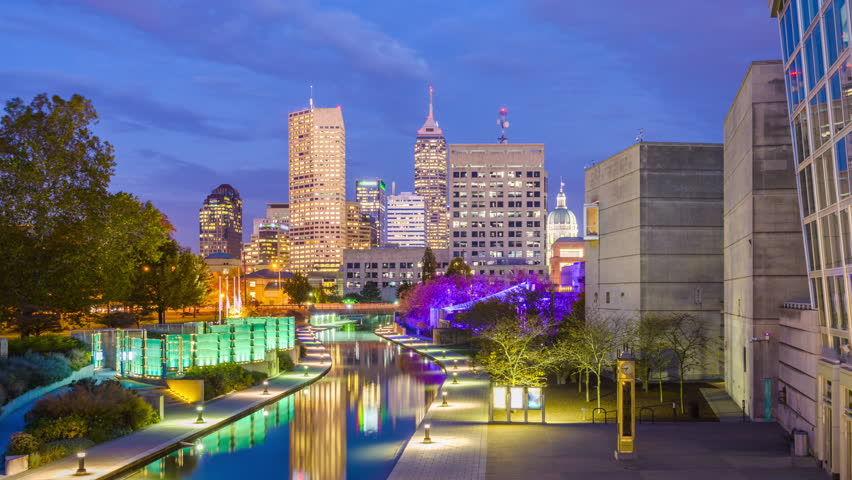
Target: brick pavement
[{"x": 120, "y": 455}]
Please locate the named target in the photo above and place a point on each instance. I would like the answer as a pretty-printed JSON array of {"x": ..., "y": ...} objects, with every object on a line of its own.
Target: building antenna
[
  {"x": 311, "y": 100},
  {"x": 503, "y": 123},
  {"x": 430, "y": 100},
  {"x": 641, "y": 137}
]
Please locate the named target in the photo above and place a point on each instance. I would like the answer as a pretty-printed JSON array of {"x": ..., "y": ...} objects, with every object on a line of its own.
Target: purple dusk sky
[{"x": 195, "y": 93}]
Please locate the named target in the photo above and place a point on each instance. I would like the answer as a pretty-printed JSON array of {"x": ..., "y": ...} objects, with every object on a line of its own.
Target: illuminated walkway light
[
  {"x": 265, "y": 387},
  {"x": 427, "y": 430},
  {"x": 81, "y": 464},
  {"x": 200, "y": 410}
]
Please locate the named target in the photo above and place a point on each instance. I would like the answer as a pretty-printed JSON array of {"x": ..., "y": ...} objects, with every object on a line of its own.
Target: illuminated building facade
[
  {"x": 816, "y": 60},
  {"x": 277, "y": 213},
  {"x": 360, "y": 230},
  {"x": 372, "y": 195},
  {"x": 221, "y": 222},
  {"x": 561, "y": 222},
  {"x": 498, "y": 205},
  {"x": 388, "y": 267},
  {"x": 406, "y": 226},
  {"x": 430, "y": 179},
  {"x": 566, "y": 252},
  {"x": 317, "y": 189},
  {"x": 268, "y": 246}
]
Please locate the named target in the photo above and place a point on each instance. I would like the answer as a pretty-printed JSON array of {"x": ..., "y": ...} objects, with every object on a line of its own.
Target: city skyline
[{"x": 187, "y": 112}]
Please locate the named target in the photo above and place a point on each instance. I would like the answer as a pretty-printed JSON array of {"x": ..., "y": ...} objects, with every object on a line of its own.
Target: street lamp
[
  {"x": 265, "y": 387},
  {"x": 275, "y": 266},
  {"x": 200, "y": 410},
  {"x": 81, "y": 464}
]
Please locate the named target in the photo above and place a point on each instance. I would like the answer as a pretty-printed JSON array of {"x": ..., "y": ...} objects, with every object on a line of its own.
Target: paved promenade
[
  {"x": 458, "y": 431},
  {"x": 110, "y": 458}
]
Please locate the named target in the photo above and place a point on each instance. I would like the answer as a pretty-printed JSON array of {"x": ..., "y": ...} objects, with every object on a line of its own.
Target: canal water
[{"x": 352, "y": 424}]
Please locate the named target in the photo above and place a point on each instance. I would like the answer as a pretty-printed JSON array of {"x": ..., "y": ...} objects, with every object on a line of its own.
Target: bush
[
  {"x": 223, "y": 378},
  {"x": 45, "y": 344},
  {"x": 21, "y": 443},
  {"x": 100, "y": 412},
  {"x": 31, "y": 370},
  {"x": 119, "y": 320},
  {"x": 46, "y": 454},
  {"x": 78, "y": 359},
  {"x": 285, "y": 362}
]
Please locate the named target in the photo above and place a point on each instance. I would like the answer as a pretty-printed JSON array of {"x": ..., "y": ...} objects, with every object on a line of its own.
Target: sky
[{"x": 195, "y": 93}]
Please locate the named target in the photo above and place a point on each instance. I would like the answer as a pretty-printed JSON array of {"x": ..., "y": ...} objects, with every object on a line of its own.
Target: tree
[
  {"x": 371, "y": 293},
  {"x": 458, "y": 267},
  {"x": 652, "y": 347},
  {"x": 178, "y": 279},
  {"x": 429, "y": 266},
  {"x": 513, "y": 352},
  {"x": 297, "y": 288},
  {"x": 687, "y": 341},
  {"x": 485, "y": 314},
  {"x": 403, "y": 289}
]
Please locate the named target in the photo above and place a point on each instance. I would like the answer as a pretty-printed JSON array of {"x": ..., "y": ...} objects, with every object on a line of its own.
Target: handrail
[{"x": 594, "y": 410}]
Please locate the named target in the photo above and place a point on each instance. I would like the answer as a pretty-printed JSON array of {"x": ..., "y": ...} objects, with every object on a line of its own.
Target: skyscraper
[
  {"x": 430, "y": 179},
  {"x": 406, "y": 220},
  {"x": 221, "y": 222},
  {"x": 499, "y": 201},
  {"x": 317, "y": 189},
  {"x": 360, "y": 229},
  {"x": 371, "y": 194}
]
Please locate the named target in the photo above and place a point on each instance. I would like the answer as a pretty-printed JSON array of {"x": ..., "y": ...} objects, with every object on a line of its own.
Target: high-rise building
[
  {"x": 360, "y": 229},
  {"x": 372, "y": 196},
  {"x": 268, "y": 248},
  {"x": 317, "y": 189},
  {"x": 221, "y": 222},
  {"x": 561, "y": 222},
  {"x": 498, "y": 205},
  {"x": 430, "y": 179},
  {"x": 406, "y": 220},
  {"x": 277, "y": 213},
  {"x": 816, "y": 57}
]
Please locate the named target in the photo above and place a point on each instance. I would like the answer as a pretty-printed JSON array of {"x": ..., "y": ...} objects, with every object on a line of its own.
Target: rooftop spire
[
  {"x": 430, "y": 101},
  {"x": 561, "y": 184},
  {"x": 430, "y": 126}
]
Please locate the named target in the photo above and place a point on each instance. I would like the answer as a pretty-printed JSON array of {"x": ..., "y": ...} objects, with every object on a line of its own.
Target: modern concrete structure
[
  {"x": 816, "y": 57},
  {"x": 660, "y": 235},
  {"x": 565, "y": 252},
  {"x": 360, "y": 229},
  {"x": 764, "y": 257},
  {"x": 498, "y": 205},
  {"x": 388, "y": 267},
  {"x": 372, "y": 195},
  {"x": 561, "y": 222},
  {"x": 220, "y": 222},
  {"x": 317, "y": 189},
  {"x": 430, "y": 178},
  {"x": 406, "y": 220}
]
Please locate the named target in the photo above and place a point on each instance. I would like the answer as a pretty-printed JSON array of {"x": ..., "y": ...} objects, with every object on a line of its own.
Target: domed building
[{"x": 561, "y": 222}]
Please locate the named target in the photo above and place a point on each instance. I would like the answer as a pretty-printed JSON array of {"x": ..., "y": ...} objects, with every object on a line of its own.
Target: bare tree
[
  {"x": 652, "y": 346},
  {"x": 687, "y": 340}
]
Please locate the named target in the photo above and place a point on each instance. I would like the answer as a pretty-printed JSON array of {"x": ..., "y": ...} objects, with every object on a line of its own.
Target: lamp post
[
  {"x": 81, "y": 464},
  {"x": 280, "y": 290},
  {"x": 200, "y": 410},
  {"x": 265, "y": 387},
  {"x": 427, "y": 438},
  {"x": 306, "y": 370},
  {"x": 444, "y": 403},
  {"x": 455, "y": 378}
]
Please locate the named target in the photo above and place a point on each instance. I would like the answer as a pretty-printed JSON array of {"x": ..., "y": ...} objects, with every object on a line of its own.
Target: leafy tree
[
  {"x": 371, "y": 293},
  {"x": 297, "y": 288},
  {"x": 319, "y": 295},
  {"x": 485, "y": 314},
  {"x": 458, "y": 267},
  {"x": 352, "y": 298},
  {"x": 513, "y": 352},
  {"x": 687, "y": 340},
  {"x": 403, "y": 289},
  {"x": 178, "y": 279},
  {"x": 428, "y": 265}
]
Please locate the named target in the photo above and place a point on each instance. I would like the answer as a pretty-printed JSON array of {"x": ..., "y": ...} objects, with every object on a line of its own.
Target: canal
[{"x": 351, "y": 424}]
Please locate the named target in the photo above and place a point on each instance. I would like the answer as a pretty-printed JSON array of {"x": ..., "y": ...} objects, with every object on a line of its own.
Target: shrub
[
  {"x": 32, "y": 370},
  {"x": 223, "y": 378},
  {"x": 45, "y": 344},
  {"x": 78, "y": 359},
  {"x": 46, "y": 454},
  {"x": 285, "y": 362},
  {"x": 21, "y": 443},
  {"x": 58, "y": 428},
  {"x": 119, "y": 320}
]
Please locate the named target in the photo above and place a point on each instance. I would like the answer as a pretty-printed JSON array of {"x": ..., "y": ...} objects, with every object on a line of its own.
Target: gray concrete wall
[{"x": 764, "y": 263}]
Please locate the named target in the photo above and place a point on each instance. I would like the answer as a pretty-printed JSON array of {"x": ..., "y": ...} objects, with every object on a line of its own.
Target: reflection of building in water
[{"x": 318, "y": 432}]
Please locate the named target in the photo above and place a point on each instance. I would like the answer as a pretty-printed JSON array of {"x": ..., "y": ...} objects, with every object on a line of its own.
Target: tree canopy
[
  {"x": 297, "y": 288},
  {"x": 178, "y": 279},
  {"x": 428, "y": 265},
  {"x": 458, "y": 267}
]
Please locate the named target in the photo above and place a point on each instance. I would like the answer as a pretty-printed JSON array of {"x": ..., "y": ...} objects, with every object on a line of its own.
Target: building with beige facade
[
  {"x": 360, "y": 229},
  {"x": 317, "y": 189},
  {"x": 498, "y": 207},
  {"x": 430, "y": 178},
  {"x": 389, "y": 267}
]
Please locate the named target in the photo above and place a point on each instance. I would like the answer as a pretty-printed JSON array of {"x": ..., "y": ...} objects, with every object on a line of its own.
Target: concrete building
[
  {"x": 220, "y": 222},
  {"x": 388, "y": 267},
  {"x": 360, "y": 229},
  {"x": 372, "y": 195},
  {"x": 561, "y": 222},
  {"x": 816, "y": 55},
  {"x": 498, "y": 205},
  {"x": 763, "y": 252},
  {"x": 565, "y": 252},
  {"x": 406, "y": 220},
  {"x": 430, "y": 178},
  {"x": 317, "y": 140},
  {"x": 659, "y": 248}
]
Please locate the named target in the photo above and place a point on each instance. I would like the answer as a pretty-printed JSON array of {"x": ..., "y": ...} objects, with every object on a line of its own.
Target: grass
[{"x": 564, "y": 402}]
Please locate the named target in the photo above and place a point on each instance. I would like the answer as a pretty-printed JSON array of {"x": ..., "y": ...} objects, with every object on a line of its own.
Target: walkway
[
  {"x": 458, "y": 431},
  {"x": 120, "y": 455},
  {"x": 724, "y": 407}
]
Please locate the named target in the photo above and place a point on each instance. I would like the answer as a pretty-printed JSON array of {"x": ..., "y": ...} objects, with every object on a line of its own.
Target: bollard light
[
  {"x": 455, "y": 378},
  {"x": 455, "y": 364},
  {"x": 265, "y": 413},
  {"x": 306, "y": 370},
  {"x": 200, "y": 410},
  {"x": 444, "y": 403},
  {"x": 427, "y": 430},
  {"x": 265, "y": 387},
  {"x": 81, "y": 464},
  {"x": 443, "y": 354}
]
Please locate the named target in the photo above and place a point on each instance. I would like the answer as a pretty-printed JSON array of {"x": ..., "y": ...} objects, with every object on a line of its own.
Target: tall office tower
[
  {"x": 561, "y": 222},
  {"x": 317, "y": 189},
  {"x": 360, "y": 229},
  {"x": 430, "y": 179},
  {"x": 277, "y": 213},
  {"x": 406, "y": 220},
  {"x": 816, "y": 56},
  {"x": 498, "y": 205},
  {"x": 268, "y": 248},
  {"x": 372, "y": 196},
  {"x": 221, "y": 222}
]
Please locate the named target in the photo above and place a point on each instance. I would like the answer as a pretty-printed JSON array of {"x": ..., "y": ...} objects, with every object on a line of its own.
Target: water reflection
[{"x": 352, "y": 424}]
